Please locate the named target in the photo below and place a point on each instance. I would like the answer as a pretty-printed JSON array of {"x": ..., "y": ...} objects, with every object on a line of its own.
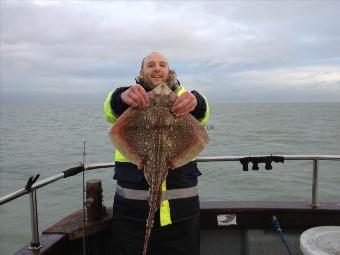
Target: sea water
[{"x": 48, "y": 138}]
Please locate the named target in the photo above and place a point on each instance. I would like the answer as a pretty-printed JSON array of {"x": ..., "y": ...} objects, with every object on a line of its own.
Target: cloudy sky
[{"x": 230, "y": 51}]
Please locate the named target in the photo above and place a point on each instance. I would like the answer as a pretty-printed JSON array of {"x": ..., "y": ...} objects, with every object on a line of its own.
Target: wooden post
[{"x": 94, "y": 206}]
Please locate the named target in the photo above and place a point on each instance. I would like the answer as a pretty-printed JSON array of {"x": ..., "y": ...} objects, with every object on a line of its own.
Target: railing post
[
  {"x": 315, "y": 195},
  {"x": 35, "y": 244}
]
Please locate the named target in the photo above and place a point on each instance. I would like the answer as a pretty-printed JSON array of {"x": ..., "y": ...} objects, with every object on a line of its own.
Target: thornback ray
[{"x": 156, "y": 141}]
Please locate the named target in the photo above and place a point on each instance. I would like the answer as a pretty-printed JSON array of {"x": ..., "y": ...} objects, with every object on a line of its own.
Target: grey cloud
[{"x": 90, "y": 47}]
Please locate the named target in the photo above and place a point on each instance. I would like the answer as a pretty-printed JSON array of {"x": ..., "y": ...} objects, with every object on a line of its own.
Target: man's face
[{"x": 155, "y": 70}]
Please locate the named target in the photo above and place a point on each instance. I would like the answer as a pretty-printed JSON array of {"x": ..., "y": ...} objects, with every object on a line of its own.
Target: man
[{"x": 176, "y": 227}]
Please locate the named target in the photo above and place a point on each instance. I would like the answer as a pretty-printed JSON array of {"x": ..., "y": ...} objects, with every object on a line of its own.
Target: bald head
[
  {"x": 151, "y": 55},
  {"x": 154, "y": 69}
]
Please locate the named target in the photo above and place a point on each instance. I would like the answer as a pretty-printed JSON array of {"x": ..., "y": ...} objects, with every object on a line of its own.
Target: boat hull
[{"x": 230, "y": 227}]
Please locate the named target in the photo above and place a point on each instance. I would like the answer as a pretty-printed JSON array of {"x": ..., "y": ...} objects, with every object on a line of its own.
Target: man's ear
[{"x": 141, "y": 73}]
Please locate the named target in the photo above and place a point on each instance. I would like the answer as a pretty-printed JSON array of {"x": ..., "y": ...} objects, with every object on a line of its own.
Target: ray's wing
[
  {"x": 185, "y": 141},
  {"x": 133, "y": 136}
]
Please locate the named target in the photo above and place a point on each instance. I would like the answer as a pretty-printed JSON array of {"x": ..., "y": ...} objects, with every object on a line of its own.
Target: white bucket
[{"x": 323, "y": 240}]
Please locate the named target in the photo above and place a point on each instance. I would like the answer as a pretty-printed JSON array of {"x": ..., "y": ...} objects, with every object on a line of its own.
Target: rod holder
[
  {"x": 315, "y": 193},
  {"x": 35, "y": 244},
  {"x": 94, "y": 200}
]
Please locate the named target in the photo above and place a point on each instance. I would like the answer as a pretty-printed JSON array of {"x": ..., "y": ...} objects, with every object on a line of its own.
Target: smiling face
[{"x": 155, "y": 69}]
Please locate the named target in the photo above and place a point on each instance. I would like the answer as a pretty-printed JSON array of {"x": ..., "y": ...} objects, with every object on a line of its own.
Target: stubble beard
[{"x": 171, "y": 82}]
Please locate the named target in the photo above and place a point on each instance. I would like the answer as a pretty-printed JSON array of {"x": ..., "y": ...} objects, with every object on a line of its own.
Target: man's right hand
[{"x": 136, "y": 96}]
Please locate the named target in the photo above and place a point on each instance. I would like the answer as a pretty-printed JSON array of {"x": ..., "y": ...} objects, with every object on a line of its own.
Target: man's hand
[
  {"x": 184, "y": 104},
  {"x": 136, "y": 96}
]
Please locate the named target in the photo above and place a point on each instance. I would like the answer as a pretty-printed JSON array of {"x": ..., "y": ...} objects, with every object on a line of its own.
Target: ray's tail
[{"x": 155, "y": 200}]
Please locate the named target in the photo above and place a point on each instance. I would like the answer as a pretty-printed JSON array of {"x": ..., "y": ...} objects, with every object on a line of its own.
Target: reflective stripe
[
  {"x": 164, "y": 215},
  {"x": 168, "y": 195},
  {"x": 180, "y": 193},
  {"x": 131, "y": 193}
]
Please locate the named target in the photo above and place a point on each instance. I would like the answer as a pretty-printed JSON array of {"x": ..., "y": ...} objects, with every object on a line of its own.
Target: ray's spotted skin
[{"x": 156, "y": 141}]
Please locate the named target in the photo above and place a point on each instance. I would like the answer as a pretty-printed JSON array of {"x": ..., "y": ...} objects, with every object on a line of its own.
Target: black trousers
[{"x": 180, "y": 238}]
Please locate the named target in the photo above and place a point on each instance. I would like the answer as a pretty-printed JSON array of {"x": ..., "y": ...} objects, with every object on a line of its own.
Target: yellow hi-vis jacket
[{"x": 111, "y": 117}]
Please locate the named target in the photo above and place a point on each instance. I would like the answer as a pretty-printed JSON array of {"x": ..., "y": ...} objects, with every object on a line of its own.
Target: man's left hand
[{"x": 184, "y": 104}]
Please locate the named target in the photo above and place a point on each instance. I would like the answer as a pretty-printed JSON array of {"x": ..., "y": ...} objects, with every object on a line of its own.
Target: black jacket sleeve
[
  {"x": 201, "y": 107},
  {"x": 117, "y": 105}
]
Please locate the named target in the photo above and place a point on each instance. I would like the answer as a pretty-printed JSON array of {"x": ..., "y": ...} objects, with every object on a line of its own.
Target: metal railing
[{"x": 32, "y": 185}]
